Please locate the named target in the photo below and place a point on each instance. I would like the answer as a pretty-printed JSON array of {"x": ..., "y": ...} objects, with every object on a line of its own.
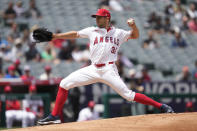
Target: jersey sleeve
[
  {"x": 84, "y": 33},
  {"x": 124, "y": 35}
]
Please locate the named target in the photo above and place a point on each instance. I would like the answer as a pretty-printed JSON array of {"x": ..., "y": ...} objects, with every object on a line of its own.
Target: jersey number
[{"x": 113, "y": 50}]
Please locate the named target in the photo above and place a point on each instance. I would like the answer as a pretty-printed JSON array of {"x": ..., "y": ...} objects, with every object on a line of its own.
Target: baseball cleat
[
  {"x": 49, "y": 120},
  {"x": 166, "y": 109}
]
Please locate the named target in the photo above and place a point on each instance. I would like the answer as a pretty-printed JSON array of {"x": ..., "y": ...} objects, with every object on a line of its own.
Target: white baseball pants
[
  {"x": 27, "y": 118},
  {"x": 107, "y": 74}
]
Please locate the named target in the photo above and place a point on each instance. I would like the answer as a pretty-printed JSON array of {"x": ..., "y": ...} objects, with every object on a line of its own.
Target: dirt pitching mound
[{"x": 155, "y": 122}]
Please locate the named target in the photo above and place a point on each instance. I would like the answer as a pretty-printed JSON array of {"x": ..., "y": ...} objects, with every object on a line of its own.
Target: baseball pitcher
[{"x": 105, "y": 41}]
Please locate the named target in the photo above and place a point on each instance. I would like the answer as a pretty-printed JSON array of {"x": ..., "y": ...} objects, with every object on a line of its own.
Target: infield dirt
[{"x": 153, "y": 122}]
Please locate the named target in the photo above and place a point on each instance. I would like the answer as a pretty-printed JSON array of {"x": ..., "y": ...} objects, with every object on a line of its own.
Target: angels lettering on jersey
[
  {"x": 106, "y": 40},
  {"x": 104, "y": 44}
]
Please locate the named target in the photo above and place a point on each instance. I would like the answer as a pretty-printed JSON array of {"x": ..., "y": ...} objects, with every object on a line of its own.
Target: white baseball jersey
[
  {"x": 104, "y": 44},
  {"x": 32, "y": 104},
  {"x": 86, "y": 114}
]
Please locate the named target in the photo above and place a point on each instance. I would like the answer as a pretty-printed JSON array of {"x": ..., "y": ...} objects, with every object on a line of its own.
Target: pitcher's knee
[{"x": 66, "y": 84}]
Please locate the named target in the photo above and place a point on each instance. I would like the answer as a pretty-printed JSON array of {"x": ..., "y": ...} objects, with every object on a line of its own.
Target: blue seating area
[{"x": 75, "y": 15}]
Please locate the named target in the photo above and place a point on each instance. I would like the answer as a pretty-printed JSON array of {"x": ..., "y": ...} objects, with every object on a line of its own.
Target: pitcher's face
[{"x": 102, "y": 21}]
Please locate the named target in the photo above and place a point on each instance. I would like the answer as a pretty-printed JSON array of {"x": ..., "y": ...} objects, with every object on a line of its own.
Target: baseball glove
[{"x": 42, "y": 35}]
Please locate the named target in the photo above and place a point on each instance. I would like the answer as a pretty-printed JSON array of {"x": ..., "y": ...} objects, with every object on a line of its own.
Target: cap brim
[{"x": 93, "y": 16}]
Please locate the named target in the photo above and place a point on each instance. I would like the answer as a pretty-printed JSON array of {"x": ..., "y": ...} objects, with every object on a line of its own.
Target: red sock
[
  {"x": 141, "y": 98},
  {"x": 60, "y": 100}
]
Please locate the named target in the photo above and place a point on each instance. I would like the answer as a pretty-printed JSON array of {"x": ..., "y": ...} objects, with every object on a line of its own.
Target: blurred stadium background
[{"x": 162, "y": 63}]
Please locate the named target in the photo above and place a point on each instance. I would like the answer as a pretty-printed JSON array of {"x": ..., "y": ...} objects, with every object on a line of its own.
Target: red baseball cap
[
  {"x": 11, "y": 68},
  {"x": 102, "y": 12},
  {"x": 17, "y": 62},
  {"x": 91, "y": 104},
  {"x": 7, "y": 89},
  {"x": 47, "y": 67}
]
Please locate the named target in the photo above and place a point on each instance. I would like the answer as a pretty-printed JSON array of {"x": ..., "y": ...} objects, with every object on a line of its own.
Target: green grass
[
  {"x": 4, "y": 128},
  {"x": 1, "y": 128}
]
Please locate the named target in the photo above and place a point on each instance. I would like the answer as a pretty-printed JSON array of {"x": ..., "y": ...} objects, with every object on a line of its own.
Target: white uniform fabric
[
  {"x": 103, "y": 43},
  {"x": 27, "y": 118},
  {"x": 32, "y": 104},
  {"x": 44, "y": 76},
  {"x": 86, "y": 114},
  {"x": 104, "y": 46}
]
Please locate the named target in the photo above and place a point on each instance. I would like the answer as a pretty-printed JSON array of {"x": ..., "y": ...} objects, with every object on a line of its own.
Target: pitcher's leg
[
  {"x": 143, "y": 99},
  {"x": 112, "y": 79},
  {"x": 80, "y": 77},
  {"x": 61, "y": 97}
]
